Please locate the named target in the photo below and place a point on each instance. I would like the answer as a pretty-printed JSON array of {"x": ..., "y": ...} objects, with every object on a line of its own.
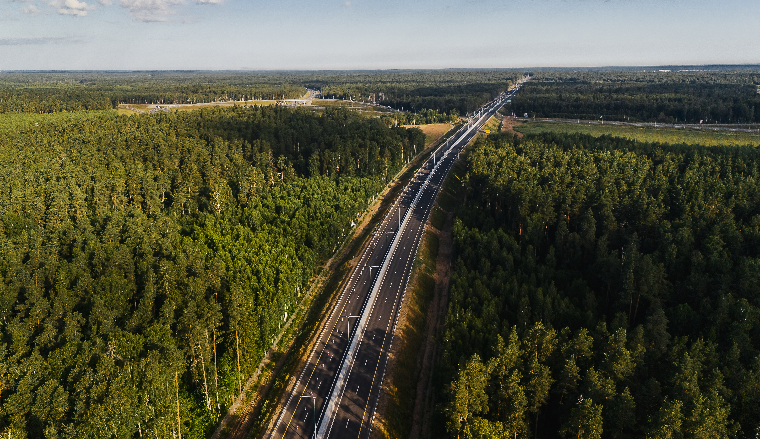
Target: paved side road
[{"x": 339, "y": 386}]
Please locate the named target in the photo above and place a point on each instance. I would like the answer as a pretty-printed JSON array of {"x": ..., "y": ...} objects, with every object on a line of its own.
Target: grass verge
[
  {"x": 410, "y": 338},
  {"x": 492, "y": 125},
  {"x": 646, "y": 134}
]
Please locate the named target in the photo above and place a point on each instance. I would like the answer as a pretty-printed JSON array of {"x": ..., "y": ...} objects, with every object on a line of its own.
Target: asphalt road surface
[{"x": 339, "y": 386}]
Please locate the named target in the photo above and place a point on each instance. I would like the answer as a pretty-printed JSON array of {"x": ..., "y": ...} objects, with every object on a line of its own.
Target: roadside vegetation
[
  {"x": 304, "y": 335},
  {"x": 409, "y": 392},
  {"x": 493, "y": 125}
]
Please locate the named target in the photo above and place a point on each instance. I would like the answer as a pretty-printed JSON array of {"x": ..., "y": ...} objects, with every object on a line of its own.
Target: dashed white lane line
[{"x": 426, "y": 212}]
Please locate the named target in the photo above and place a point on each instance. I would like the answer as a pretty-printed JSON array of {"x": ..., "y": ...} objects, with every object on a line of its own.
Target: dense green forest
[
  {"x": 447, "y": 91},
  {"x": 604, "y": 288},
  {"x": 149, "y": 260},
  {"x": 50, "y": 92},
  {"x": 440, "y": 94},
  {"x": 667, "y": 97}
]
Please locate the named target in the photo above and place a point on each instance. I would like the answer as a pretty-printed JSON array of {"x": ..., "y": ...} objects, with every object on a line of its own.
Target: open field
[
  {"x": 508, "y": 125},
  {"x": 432, "y": 131},
  {"x": 188, "y": 107},
  {"x": 646, "y": 134},
  {"x": 365, "y": 108},
  {"x": 126, "y": 112},
  {"x": 337, "y": 103}
]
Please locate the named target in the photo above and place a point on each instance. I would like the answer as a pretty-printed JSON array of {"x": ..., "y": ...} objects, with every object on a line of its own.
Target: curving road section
[{"x": 337, "y": 391}]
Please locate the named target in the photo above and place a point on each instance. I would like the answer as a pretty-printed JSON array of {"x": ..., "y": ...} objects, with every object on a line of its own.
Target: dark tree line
[
  {"x": 430, "y": 95},
  {"x": 667, "y": 97},
  {"x": 604, "y": 288},
  {"x": 447, "y": 91},
  {"x": 72, "y": 91},
  {"x": 149, "y": 261}
]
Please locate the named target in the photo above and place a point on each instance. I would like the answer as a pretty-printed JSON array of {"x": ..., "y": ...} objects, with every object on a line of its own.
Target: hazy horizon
[
  {"x": 362, "y": 35},
  {"x": 633, "y": 68}
]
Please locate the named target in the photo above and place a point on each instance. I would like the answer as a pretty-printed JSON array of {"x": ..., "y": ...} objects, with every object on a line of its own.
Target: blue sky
[{"x": 365, "y": 34}]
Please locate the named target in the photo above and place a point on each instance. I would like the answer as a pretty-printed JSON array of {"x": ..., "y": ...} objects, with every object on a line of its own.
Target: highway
[{"x": 340, "y": 384}]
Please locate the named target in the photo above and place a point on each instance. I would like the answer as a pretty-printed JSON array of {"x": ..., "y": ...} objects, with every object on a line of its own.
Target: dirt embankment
[
  {"x": 508, "y": 125},
  {"x": 424, "y": 401}
]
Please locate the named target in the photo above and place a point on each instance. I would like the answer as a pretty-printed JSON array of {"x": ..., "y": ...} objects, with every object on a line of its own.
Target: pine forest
[
  {"x": 604, "y": 288},
  {"x": 600, "y": 287},
  {"x": 148, "y": 261}
]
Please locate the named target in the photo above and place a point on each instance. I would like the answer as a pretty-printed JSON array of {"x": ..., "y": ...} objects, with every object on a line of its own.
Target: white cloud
[
  {"x": 71, "y": 7},
  {"x": 346, "y": 5},
  {"x": 143, "y": 10},
  {"x": 43, "y": 41},
  {"x": 31, "y": 10},
  {"x": 150, "y": 10},
  {"x": 7, "y": 16}
]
